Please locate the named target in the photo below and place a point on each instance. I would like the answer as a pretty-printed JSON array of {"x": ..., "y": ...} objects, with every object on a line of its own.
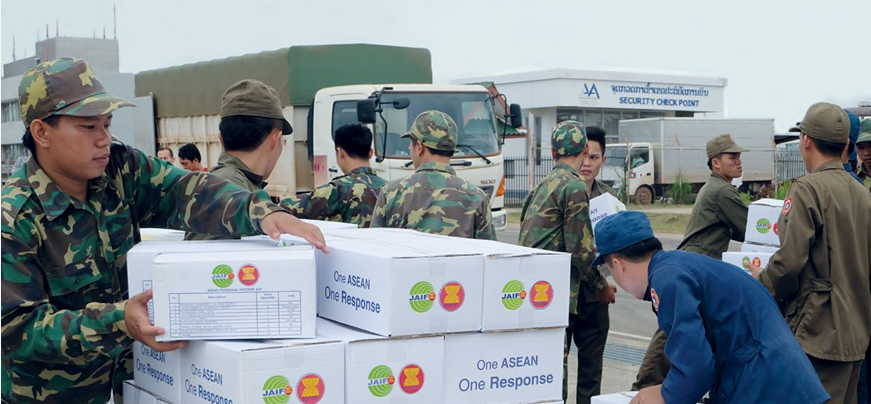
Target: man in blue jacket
[{"x": 725, "y": 333}]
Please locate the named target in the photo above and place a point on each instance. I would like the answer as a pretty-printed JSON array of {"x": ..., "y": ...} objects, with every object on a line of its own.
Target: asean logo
[
  {"x": 249, "y": 275},
  {"x": 310, "y": 389},
  {"x": 775, "y": 229},
  {"x": 421, "y": 297},
  {"x": 411, "y": 379},
  {"x": 222, "y": 276},
  {"x": 763, "y": 226},
  {"x": 541, "y": 295},
  {"x": 277, "y": 390},
  {"x": 452, "y": 296},
  {"x": 513, "y": 295},
  {"x": 381, "y": 381}
]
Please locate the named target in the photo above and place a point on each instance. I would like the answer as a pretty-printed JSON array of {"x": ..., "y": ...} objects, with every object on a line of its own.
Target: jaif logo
[
  {"x": 513, "y": 295},
  {"x": 421, "y": 297},
  {"x": 277, "y": 390},
  {"x": 541, "y": 295},
  {"x": 222, "y": 276},
  {"x": 249, "y": 275},
  {"x": 763, "y": 226},
  {"x": 381, "y": 381},
  {"x": 310, "y": 388},
  {"x": 746, "y": 261},
  {"x": 591, "y": 91},
  {"x": 452, "y": 296},
  {"x": 411, "y": 379}
]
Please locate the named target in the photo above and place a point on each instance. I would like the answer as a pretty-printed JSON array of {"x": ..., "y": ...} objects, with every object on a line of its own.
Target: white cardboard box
[
  {"x": 394, "y": 290},
  {"x": 615, "y": 398},
  {"x": 134, "y": 394},
  {"x": 389, "y": 369},
  {"x": 504, "y": 367},
  {"x": 762, "y": 219},
  {"x": 155, "y": 234},
  {"x": 248, "y": 372},
  {"x": 603, "y": 206},
  {"x": 742, "y": 259},
  {"x": 523, "y": 287},
  {"x": 750, "y": 247},
  {"x": 264, "y": 294},
  {"x": 154, "y": 371}
]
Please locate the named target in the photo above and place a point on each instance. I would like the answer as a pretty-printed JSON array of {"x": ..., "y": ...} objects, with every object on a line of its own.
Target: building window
[{"x": 11, "y": 111}]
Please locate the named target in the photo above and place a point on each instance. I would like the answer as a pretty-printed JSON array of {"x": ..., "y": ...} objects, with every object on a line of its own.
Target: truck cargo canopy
[{"x": 297, "y": 73}]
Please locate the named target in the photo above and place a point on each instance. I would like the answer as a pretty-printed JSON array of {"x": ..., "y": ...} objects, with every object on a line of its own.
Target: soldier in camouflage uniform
[
  {"x": 434, "y": 199},
  {"x": 556, "y": 217},
  {"x": 69, "y": 217},
  {"x": 251, "y": 128},
  {"x": 351, "y": 197},
  {"x": 863, "y": 150}
]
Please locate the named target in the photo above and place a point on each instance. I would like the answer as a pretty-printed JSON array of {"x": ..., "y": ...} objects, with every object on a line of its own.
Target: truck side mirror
[
  {"x": 366, "y": 111},
  {"x": 515, "y": 114}
]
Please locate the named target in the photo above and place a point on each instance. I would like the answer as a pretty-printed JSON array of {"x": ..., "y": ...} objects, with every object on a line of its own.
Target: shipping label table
[{"x": 264, "y": 314}]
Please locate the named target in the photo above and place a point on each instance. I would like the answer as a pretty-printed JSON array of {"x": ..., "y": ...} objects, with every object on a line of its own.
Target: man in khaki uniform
[
  {"x": 719, "y": 215},
  {"x": 820, "y": 275}
]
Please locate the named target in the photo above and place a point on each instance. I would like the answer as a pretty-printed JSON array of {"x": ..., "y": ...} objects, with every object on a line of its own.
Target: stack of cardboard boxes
[
  {"x": 761, "y": 239},
  {"x": 406, "y": 317}
]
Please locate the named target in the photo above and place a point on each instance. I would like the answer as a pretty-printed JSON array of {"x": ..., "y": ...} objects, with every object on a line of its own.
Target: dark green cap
[
  {"x": 722, "y": 144},
  {"x": 568, "y": 138},
  {"x": 865, "y": 131},
  {"x": 253, "y": 98},
  {"x": 827, "y": 122},
  {"x": 435, "y": 129},
  {"x": 64, "y": 86}
]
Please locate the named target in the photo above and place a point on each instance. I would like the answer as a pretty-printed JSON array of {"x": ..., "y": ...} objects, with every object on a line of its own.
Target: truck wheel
[{"x": 643, "y": 196}]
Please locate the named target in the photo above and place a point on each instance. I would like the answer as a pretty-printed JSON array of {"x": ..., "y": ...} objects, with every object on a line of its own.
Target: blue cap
[
  {"x": 620, "y": 230},
  {"x": 854, "y": 132}
]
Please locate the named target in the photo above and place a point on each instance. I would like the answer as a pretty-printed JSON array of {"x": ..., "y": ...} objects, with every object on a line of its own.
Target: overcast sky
[{"x": 779, "y": 56}]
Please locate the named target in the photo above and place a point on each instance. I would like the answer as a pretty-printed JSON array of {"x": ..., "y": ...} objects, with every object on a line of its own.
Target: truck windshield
[
  {"x": 616, "y": 156},
  {"x": 473, "y": 113}
]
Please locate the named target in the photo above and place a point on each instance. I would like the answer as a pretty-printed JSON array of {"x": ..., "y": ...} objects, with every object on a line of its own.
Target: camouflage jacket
[
  {"x": 349, "y": 198},
  {"x": 234, "y": 170},
  {"x": 64, "y": 267},
  {"x": 556, "y": 217},
  {"x": 864, "y": 176},
  {"x": 600, "y": 188},
  {"x": 434, "y": 200}
]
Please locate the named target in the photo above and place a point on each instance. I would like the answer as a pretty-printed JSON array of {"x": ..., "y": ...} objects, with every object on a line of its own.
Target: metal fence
[
  {"x": 789, "y": 164},
  {"x": 517, "y": 177}
]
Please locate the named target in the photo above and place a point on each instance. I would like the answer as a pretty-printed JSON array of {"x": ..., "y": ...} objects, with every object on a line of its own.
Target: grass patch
[{"x": 672, "y": 223}]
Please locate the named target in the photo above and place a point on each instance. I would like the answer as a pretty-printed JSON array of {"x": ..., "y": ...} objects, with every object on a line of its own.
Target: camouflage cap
[
  {"x": 64, "y": 86},
  {"x": 722, "y": 144},
  {"x": 253, "y": 98},
  {"x": 865, "y": 132},
  {"x": 435, "y": 129},
  {"x": 824, "y": 121},
  {"x": 569, "y": 138}
]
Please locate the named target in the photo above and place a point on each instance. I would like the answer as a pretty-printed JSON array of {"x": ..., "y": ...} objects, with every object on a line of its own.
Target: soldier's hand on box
[
  {"x": 277, "y": 223},
  {"x": 140, "y": 328},
  {"x": 649, "y": 395},
  {"x": 754, "y": 270},
  {"x": 608, "y": 295}
]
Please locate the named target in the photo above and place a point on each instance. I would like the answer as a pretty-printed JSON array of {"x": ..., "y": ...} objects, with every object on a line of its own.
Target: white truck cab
[{"x": 479, "y": 148}]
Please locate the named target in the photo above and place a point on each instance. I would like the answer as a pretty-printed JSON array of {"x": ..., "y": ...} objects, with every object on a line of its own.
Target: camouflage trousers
[
  {"x": 589, "y": 331},
  {"x": 655, "y": 365}
]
